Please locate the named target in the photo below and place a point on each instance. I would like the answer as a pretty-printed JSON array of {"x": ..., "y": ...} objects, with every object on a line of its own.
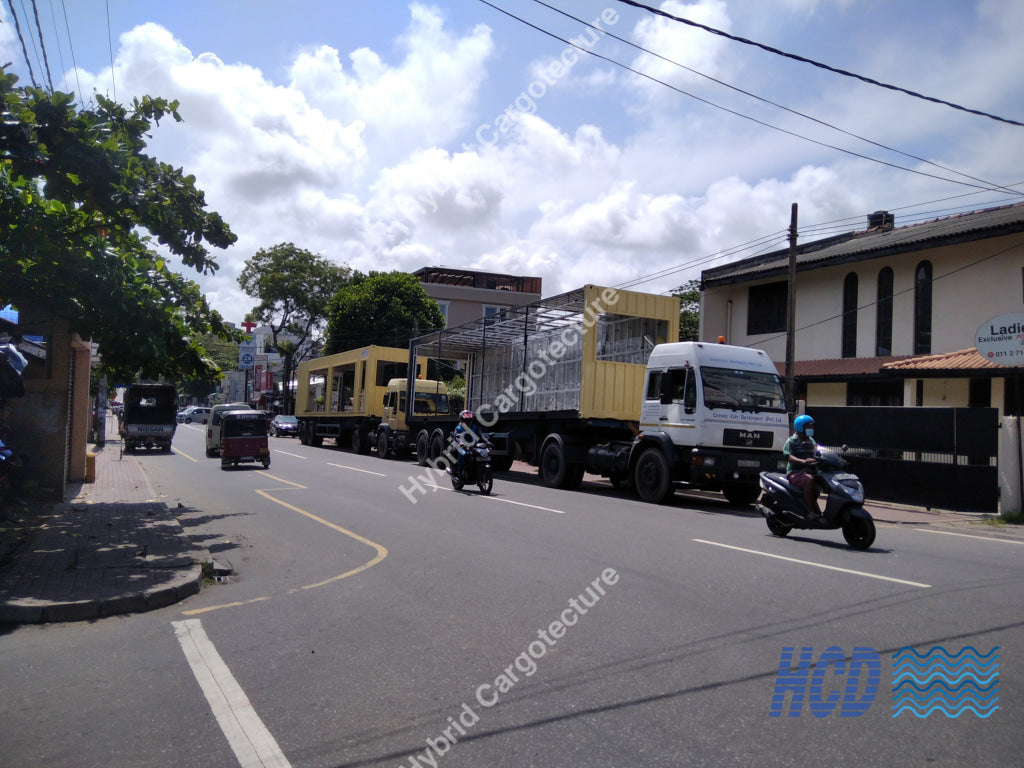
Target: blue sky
[{"x": 386, "y": 134}]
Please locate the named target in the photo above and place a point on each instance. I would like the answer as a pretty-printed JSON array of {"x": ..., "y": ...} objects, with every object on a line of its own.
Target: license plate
[
  {"x": 748, "y": 464},
  {"x": 845, "y": 476}
]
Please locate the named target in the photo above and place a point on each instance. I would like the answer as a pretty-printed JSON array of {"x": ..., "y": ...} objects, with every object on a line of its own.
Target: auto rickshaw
[{"x": 243, "y": 438}]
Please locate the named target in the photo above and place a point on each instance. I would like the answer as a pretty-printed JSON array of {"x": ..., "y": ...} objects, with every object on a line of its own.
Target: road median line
[{"x": 816, "y": 565}]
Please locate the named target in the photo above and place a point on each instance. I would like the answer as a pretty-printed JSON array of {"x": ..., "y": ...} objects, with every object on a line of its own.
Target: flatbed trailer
[
  {"x": 548, "y": 380},
  {"x": 593, "y": 381}
]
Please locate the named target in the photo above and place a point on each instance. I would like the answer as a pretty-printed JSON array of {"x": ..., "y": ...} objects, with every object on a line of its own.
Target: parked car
[
  {"x": 284, "y": 426},
  {"x": 180, "y": 415},
  {"x": 197, "y": 414}
]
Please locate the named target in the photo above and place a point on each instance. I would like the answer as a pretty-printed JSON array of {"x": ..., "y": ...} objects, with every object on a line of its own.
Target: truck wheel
[
  {"x": 422, "y": 448},
  {"x": 360, "y": 441},
  {"x": 436, "y": 445},
  {"x": 383, "y": 451},
  {"x": 554, "y": 469},
  {"x": 574, "y": 476},
  {"x": 742, "y": 494},
  {"x": 653, "y": 482}
]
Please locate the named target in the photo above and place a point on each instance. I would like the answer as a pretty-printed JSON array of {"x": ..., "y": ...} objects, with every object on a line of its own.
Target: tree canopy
[
  {"x": 689, "y": 310},
  {"x": 80, "y": 206},
  {"x": 294, "y": 288},
  {"x": 386, "y": 308}
]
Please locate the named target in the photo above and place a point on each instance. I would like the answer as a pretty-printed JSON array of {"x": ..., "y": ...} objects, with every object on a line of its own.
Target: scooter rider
[{"x": 800, "y": 450}]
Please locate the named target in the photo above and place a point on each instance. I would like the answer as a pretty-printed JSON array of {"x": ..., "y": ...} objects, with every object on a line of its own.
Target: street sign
[
  {"x": 246, "y": 355},
  {"x": 1001, "y": 339}
]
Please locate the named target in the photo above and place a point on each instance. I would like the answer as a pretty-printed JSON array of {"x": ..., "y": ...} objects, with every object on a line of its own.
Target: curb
[{"x": 30, "y": 610}]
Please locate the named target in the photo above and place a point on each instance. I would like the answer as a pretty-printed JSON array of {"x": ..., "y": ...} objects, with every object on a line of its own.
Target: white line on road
[
  {"x": 250, "y": 740},
  {"x": 816, "y": 565},
  {"x": 969, "y": 536},
  {"x": 286, "y": 453},
  {"x": 356, "y": 469},
  {"x": 498, "y": 498}
]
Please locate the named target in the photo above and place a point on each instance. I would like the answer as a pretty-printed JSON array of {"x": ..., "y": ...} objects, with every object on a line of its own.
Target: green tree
[
  {"x": 689, "y": 310},
  {"x": 386, "y": 308},
  {"x": 80, "y": 206},
  {"x": 294, "y": 287}
]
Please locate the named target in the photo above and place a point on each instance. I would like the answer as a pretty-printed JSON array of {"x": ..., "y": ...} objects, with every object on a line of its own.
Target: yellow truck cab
[{"x": 430, "y": 399}]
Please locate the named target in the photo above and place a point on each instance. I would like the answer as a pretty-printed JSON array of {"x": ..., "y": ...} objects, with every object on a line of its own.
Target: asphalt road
[{"x": 529, "y": 628}]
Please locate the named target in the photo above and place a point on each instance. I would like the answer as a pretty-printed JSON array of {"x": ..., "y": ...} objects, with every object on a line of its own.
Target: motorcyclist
[
  {"x": 801, "y": 452},
  {"x": 463, "y": 436}
]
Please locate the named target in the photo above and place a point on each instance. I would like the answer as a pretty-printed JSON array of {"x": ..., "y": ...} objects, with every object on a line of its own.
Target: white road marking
[
  {"x": 970, "y": 536},
  {"x": 249, "y": 738},
  {"x": 816, "y": 565},
  {"x": 286, "y": 453},
  {"x": 356, "y": 469},
  {"x": 498, "y": 498}
]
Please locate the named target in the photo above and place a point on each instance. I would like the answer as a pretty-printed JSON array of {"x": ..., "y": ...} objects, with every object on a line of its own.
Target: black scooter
[
  {"x": 783, "y": 507},
  {"x": 476, "y": 468}
]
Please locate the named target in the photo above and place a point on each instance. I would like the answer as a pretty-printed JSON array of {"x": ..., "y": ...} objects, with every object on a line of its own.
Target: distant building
[{"x": 465, "y": 295}]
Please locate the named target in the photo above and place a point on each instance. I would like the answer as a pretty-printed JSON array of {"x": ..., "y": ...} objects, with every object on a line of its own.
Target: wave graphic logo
[{"x": 950, "y": 683}]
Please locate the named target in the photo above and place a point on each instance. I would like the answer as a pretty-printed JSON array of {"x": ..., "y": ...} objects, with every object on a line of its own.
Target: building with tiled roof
[{"x": 886, "y": 315}]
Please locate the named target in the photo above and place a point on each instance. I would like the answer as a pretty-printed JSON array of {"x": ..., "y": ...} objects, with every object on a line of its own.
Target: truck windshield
[
  {"x": 742, "y": 390},
  {"x": 431, "y": 403}
]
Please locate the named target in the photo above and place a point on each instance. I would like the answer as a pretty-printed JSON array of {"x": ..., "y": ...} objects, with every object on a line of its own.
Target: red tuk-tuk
[{"x": 243, "y": 438}]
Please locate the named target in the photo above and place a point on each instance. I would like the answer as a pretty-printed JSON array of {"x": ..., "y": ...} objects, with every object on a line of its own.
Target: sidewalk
[{"x": 112, "y": 549}]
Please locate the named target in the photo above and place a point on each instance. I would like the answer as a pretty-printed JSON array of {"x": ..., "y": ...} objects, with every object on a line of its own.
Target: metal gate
[{"x": 928, "y": 457}]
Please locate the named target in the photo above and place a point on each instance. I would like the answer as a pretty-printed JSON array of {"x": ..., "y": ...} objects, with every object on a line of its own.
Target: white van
[{"x": 213, "y": 426}]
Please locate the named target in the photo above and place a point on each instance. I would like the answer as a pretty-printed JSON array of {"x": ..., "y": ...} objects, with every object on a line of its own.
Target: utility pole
[{"x": 791, "y": 316}]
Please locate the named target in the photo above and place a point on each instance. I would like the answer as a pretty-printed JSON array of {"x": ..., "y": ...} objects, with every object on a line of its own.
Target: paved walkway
[{"x": 112, "y": 549}]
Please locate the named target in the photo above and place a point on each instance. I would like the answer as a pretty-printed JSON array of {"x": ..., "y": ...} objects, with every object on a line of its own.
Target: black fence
[{"x": 930, "y": 457}]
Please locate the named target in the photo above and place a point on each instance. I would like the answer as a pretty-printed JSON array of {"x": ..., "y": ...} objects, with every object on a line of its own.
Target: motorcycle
[
  {"x": 783, "y": 507},
  {"x": 476, "y": 468}
]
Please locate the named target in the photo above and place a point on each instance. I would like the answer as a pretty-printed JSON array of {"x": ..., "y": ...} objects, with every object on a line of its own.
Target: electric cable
[
  {"x": 42, "y": 45},
  {"x": 776, "y": 104},
  {"x": 21, "y": 39},
  {"x": 805, "y": 60},
  {"x": 732, "y": 111}
]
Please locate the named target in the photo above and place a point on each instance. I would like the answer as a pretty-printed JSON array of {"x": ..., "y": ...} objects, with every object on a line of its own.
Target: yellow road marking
[
  {"x": 182, "y": 453},
  {"x": 382, "y": 551}
]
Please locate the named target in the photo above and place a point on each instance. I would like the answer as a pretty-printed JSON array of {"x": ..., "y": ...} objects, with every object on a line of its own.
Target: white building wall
[{"x": 970, "y": 284}]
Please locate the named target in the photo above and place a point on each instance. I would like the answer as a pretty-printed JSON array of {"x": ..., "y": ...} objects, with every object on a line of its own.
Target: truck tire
[
  {"x": 360, "y": 441},
  {"x": 741, "y": 494},
  {"x": 501, "y": 463},
  {"x": 652, "y": 478},
  {"x": 436, "y": 445},
  {"x": 383, "y": 449},
  {"x": 555, "y": 471},
  {"x": 422, "y": 447}
]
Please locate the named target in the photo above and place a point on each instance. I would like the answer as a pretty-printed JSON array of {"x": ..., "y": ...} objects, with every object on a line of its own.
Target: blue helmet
[{"x": 802, "y": 422}]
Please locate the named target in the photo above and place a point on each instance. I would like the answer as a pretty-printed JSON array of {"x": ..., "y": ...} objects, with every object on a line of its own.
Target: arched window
[
  {"x": 883, "y": 329},
  {"x": 923, "y": 308},
  {"x": 850, "y": 315}
]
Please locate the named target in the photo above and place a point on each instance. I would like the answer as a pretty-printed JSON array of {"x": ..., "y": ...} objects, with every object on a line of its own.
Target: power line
[
  {"x": 71, "y": 46},
  {"x": 42, "y": 45},
  {"x": 735, "y": 112},
  {"x": 21, "y": 39},
  {"x": 805, "y": 60},
  {"x": 773, "y": 103}
]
